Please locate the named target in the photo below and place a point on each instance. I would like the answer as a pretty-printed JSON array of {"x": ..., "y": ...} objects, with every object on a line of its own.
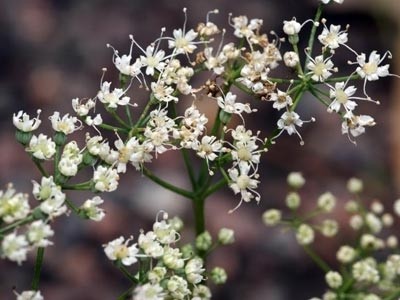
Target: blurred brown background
[{"x": 52, "y": 51}]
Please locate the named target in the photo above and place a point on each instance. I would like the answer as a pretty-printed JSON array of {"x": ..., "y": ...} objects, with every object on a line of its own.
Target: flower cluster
[
  {"x": 369, "y": 268},
  {"x": 172, "y": 272}
]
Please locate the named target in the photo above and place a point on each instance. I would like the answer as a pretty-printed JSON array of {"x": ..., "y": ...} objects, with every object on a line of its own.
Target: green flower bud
[
  {"x": 203, "y": 241},
  {"x": 218, "y": 275}
]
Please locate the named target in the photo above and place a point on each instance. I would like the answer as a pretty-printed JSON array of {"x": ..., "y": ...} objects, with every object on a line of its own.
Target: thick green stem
[
  {"x": 167, "y": 185},
  {"x": 38, "y": 268},
  {"x": 198, "y": 211}
]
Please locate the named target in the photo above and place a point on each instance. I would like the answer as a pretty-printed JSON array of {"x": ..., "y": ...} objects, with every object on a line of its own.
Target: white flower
[
  {"x": 82, "y": 109},
  {"x": 281, "y": 100},
  {"x": 207, "y": 148},
  {"x": 46, "y": 189},
  {"x": 123, "y": 63},
  {"x": 355, "y": 125},
  {"x": 201, "y": 292},
  {"x": 305, "y": 234},
  {"x": 164, "y": 232},
  {"x": 320, "y": 68},
  {"x": 24, "y": 123},
  {"x": 114, "y": 98},
  {"x": 244, "y": 183},
  {"x": 105, "y": 179},
  {"x": 333, "y": 279},
  {"x": 291, "y": 27},
  {"x": 244, "y": 28},
  {"x": 172, "y": 258},
  {"x": 92, "y": 210},
  {"x": 329, "y": 228},
  {"x": 346, "y": 254},
  {"x": 332, "y": 37},
  {"x": 194, "y": 269},
  {"x": 295, "y": 180},
  {"x": 118, "y": 249},
  {"x": 341, "y": 96},
  {"x": 149, "y": 291},
  {"x": 38, "y": 234},
  {"x": 226, "y": 236},
  {"x": 15, "y": 247},
  {"x": 66, "y": 124},
  {"x": 326, "y": 202},
  {"x": 371, "y": 69},
  {"x": 163, "y": 92},
  {"x": 30, "y": 295},
  {"x": 42, "y": 147},
  {"x": 153, "y": 60},
  {"x": 151, "y": 247},
  {"x": 215, "y": 63},
  {"x": 355, "y": 185},
  {"x": 366, "y": 271},
  {"x": 272, "y": 217},
  {"x": 396, "y": 207},
  {"x": 13, "y": 206},
  {"x": 291, "y": 59},
  {"x": 288, "y": 121},
  {"x": 183, "y": 42},
  {"x": 229, "y": 105},
  {"x": 178, "y": 287}
]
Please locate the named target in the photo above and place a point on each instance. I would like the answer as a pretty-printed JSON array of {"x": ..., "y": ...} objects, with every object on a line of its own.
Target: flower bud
[
  {"x": 272, "y": 217},
  {"x": 218, "y": 275},
  {"x": 295, "y": 180},
  {"x": 355, "y": 185},
  {"x": 293, "y": 200},
  {"x": 203, "y": 241},
  {"x": 226, "y": 236}
]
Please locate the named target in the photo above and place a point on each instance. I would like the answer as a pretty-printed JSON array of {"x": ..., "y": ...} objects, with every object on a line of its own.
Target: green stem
[
  {"x": 215, "y": 187},
  {"x": 317, "y": 259},
  {"x": 78, "y": 186},
  {"x": 167, "y": 185},
  {"x": 189, "y": 168},
  {"x": 72, "y": 206},
  {"x": 40, "y": 167},
  {"x": 143, "y": 115},
  {"x": 128, "y": 114},
  {"x": 125, "y": 295},
  {"x": 312, "y": 35},
  {"x": 198, "y": 211},
  {"x": 127, "y": 273},
  {"x": 11, "y": 227},
  {"x": 343, "y": 78},
  {"x": 118, "y": 119},
  {"x": 38, "y": 268},
  {"x": 112, "y": 128}
]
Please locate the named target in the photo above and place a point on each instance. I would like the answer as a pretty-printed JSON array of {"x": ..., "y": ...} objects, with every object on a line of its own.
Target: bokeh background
[{"x": 53, "y": 50}]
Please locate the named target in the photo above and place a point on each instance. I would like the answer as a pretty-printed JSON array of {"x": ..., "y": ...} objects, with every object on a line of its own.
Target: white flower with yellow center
[
  {"x": 332, "y": 38},
  {"x": 320, "y": 68},
  {"x": 118, "y": 249},
  {"x": 65, "y": 124},
  {"x": 114, "y": 98},
  {"x": 244, "y": 183}
]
